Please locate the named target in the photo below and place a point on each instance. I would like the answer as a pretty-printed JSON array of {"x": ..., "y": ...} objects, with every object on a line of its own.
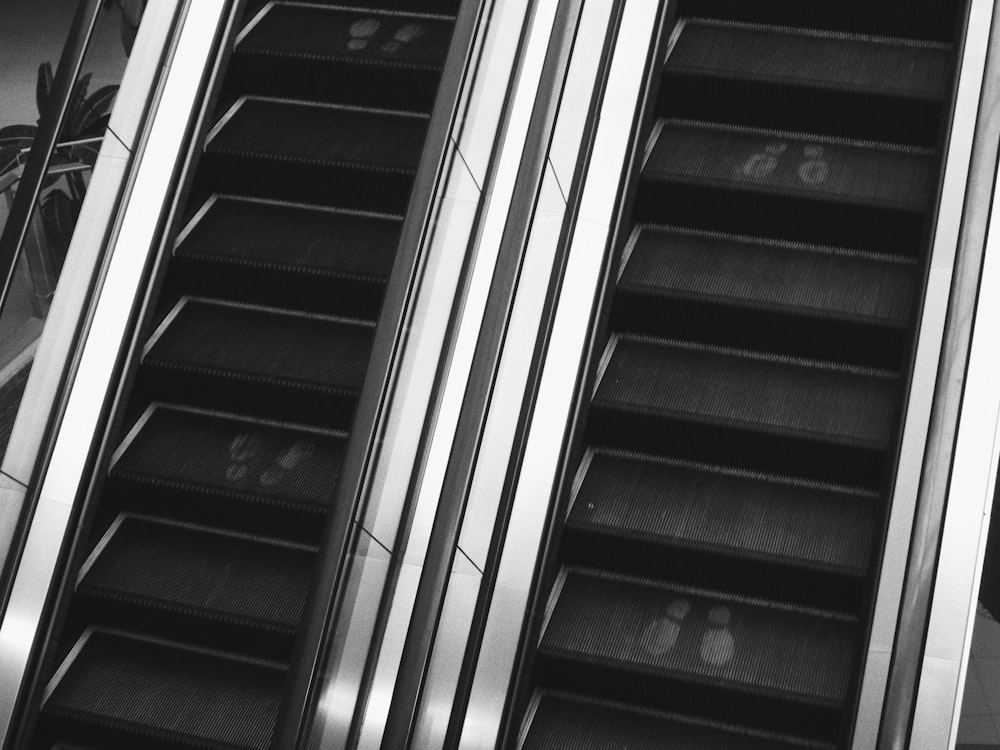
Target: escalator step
[
  {"x": 777, "y": 276},
  {"x": 744, "y": 391},
  {"x": 344, "y": 55},
  {"x": 202, "y": 573},
  {"x": 725, "y": 512},
  {"x": 842, "y": 62},
  {"x": 114, "y": 683},
  {"x": 217, "y": 457},
  {"x": 332, "y": 155},
  {"x": 930, "y": 19},
  {"x": 692, "y": 636},
  {"x": 564, "y": 722},
  {"x": 291, "y": 255},
  {"x": 297, "y": 131},
  {"x": 261, "y": 351},
  {"x": 792, "y": 165}
]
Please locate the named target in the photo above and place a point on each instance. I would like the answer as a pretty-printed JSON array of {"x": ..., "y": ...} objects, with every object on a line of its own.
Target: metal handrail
[{"x": 32, "y": 180}]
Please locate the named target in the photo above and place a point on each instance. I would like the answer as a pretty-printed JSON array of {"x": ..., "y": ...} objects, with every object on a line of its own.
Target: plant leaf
[
  {"x": 17, "y": 132},
  {"x": 77, "y": 99},
  {"x": 86, "y": 152},
  {"x": 43, "y": 87},
  {"x": 94, "y": 108},
  {"x": 59, "y": 216}
]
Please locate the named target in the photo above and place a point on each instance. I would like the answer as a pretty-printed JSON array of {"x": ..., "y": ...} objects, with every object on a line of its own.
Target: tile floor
[{"x": 980, "y": 721}]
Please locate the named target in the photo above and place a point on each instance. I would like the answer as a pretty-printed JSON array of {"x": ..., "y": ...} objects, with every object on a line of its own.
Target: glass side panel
[{"x": 31, "y": 43}]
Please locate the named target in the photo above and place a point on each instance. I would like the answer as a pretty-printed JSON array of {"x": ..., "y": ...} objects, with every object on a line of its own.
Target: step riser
[
  {"x": 791, "y": 334},
  {"x": 207, "y": 508},
  {"x": 352, "y": 187},
  {"x": 756, "y": 711},
  {"x": 754, "y": 451},
  {"x": 701, "y": 569},
  {"x": 802, "y": 110},
  {"x": 879, "y": 230},
  {"x": 921, "y": 19},
  {"x": 309, "y": 80},
  {"x": 312, "y": 293},
  {"x": 203, "y": 631},
  {"x": 278, "y": 402}
]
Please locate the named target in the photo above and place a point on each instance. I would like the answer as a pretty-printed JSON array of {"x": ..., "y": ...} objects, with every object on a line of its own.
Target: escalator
[
  {"x": 710, "y": 580},
  {"x": 202, "y": 539}
]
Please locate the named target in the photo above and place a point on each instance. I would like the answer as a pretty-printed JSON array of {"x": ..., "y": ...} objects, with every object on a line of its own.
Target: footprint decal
[
  {"x": 403, "y": 36},
  {"x": 361, "y": 33},
  {"x": 662, "y": 633},
  {"x": 287, "y": 462},
  {"x": 242, "y": 449},
  {"x": 718, "y": 645}
]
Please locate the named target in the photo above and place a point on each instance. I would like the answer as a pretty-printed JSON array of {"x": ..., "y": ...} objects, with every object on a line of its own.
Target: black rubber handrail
[
  {"x": 330, "y": 584},
  {"x": 929, "y": 515},
  {"x": 32, "y": 180},
  {"x": 443, "y": 543}
]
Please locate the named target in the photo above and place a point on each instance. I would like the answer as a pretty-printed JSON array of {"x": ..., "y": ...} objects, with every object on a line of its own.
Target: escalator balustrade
[
  {"x": 712, "y": 577},
  {"x": 202, "y": 543}
]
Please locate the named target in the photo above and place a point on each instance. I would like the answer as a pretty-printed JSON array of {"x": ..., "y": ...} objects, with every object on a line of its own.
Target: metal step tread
[
  {"x": 357, "y": 36},
  {"x": 253, "y": 344},
  {"x": 743, "y": 390},
  {"x": 561, "y": 721},
  {"x": 206, "y": 573},
  {"x": 272, "y": 236},
  {"x": 757, "y": 273},
  {"x": 725, "y": 511},
  {"x": 899, "y": 68},
  {"x": 791, "y": 165},
  {"x": 293, "y": 131},
  {"x": 224, "y": 455},
  {"x": 165, "y": 691},
  {"x": 689, "y": 635}
]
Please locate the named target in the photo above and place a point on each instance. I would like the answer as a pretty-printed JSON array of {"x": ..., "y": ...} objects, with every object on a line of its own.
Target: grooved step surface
[
  {"x": 259, "y": 582},
  {"x": 562, "y": 722},
  {"x": 292, "y": 131},
  {"x": 791, "y": 165},
  {"x": 216, "y": 454},
  {"x": 786, "y": 277},
  {"x": 160, "y": 690},
  {"x": 817, "y": 60},
  {"x": 696, "y": 636},
  {"x": 273, "y": 236},
  {"x": 350, "y": 35},
  {"x": 727, "y": 512},
  {"x": 246, "y": 343},
  {"x": 688, "y": 382}
]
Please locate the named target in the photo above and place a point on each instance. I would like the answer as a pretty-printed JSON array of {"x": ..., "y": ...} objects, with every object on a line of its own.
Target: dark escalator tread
[
  {"x": 310, "y": 133},
  {"x": 746, "y": 391},
  {"x": 352, "y": 34},
  {"x": 565, "y": 722},
  {"x": 259, "y": 345},
  {"x": 930, "y": 19},
  {"x": 308, "y": 240},
  {"x": 725, "y": 512},
  {"x": 328, "y": 261},
  {"x": 204, "y": 573},
  {"x": 694, "y": 636},
  {"x": 845, "y": 62},
  {"x": 216, "y": 455},
  {"x": 792, "y": 165},
  {"x": 764, "y": 274},
  {"x": 348, "y": 56},
  {"x": 164, "y": 691}
]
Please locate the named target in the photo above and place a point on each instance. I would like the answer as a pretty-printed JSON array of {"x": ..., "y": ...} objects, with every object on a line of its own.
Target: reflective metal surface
[
  {"x": 928, "y": 432},
  {"x": 121, "y": 287},
  {"x": 561, "y": 368}
]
